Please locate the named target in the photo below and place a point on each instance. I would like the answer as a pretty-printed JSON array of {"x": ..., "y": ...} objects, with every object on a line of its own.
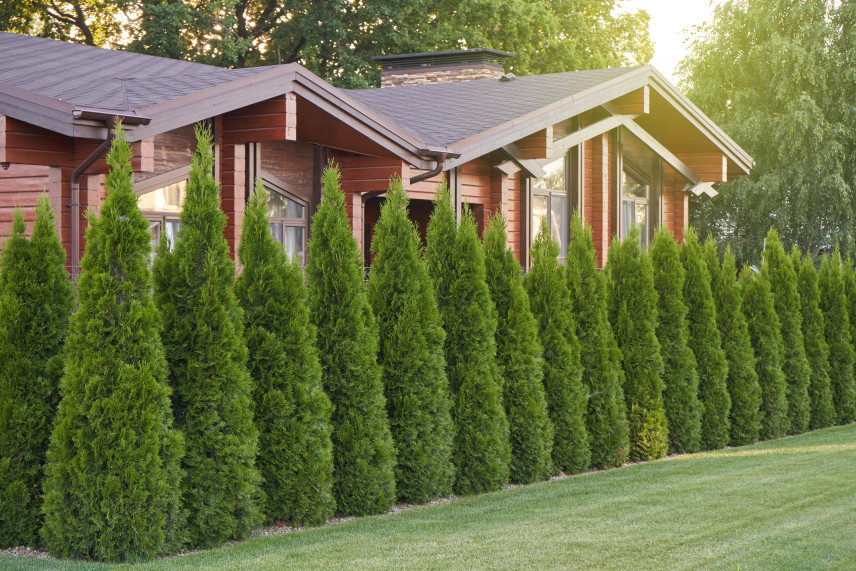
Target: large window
[
  {"x": 550, "y": 201},
  {"x": 635, "y": 204},
  {"x": 162, "y": 208},
  {"x": 288, "y": 220}
]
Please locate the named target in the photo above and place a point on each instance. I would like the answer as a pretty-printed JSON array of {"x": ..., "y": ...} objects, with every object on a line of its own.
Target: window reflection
[{"x": 550, "y": 200}]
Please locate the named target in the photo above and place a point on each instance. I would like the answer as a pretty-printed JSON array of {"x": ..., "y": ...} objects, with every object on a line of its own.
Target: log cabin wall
[
  {"x": 20, "y": 187},
  {"x": 600, "y": 220}
]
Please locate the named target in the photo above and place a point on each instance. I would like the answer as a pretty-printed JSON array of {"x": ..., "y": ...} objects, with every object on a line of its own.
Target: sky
[{"x": 671, "y": 23}]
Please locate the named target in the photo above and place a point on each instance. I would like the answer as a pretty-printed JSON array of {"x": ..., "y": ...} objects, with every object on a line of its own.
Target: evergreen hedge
[
  {"x": 519, "y": 358},
  {"x": 411, "y": 355},
  {"x": 36, "y": 300},
  {"x": 567, "y": 396},
  {"x": 705, "y": 341},
  {"x": 833, "y": 304},
  {"x": 606, "y": 417},
  {"x": 816, "y": 349},
  {"x": 204, "y": 341},
  {"x": 782, "y": 276},
  {"x": 680, "y": 379},
  {"x": 849, "y": 276},
  {"x": 112, "y": 479},
  {"x": 481, "y": 450},
  {"x": 292, "y": 413},
  {"x": 743, "y": 387},
  {"x": 363, "y": 450},
  {"x": 766, "y": 335},
  {"x": 632, "y": 309}
]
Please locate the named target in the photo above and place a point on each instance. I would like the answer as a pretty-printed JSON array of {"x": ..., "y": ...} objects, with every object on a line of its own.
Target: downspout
[
  {"x": 441, "y": 161},
  {"x": 75, "y": 194}
]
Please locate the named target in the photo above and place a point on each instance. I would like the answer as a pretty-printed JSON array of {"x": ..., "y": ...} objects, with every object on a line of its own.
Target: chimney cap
[{"x": 446, "y": 58}]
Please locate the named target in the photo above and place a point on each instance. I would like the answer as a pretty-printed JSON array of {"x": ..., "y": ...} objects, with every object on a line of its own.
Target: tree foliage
[
  {"x": 779, "y": 270},
  {"x": 766, "y": 334},
  {"x": 481, "y": 450},
  {"x": 606, "y": 416},
  {"x": 363, "y": 450},
  {"x": 742, "y": 380},
  {"x": 519, "y": 357},
  {"x": 706, "y": 344},
  {"x": 816, "y": 348},
  {"x": 632, "y": 309},
  {"x": 204, "y": 341},
  {"x": 112, "y": 481},
  {"x": 292, "y": 413},
  {"x": 836, "y": 319},
  {"x": 773, "y": 74},
  {"x": 411, "y": 355},
  {"x": 567, "y": 396},
  {"x": 680, "y": 378},
  {"x": 36, "y": 301},
  {"x": 336, "y": 38}
]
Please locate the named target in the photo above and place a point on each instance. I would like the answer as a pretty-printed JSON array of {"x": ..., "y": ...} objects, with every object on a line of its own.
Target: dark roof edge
[{"x": 488, "y": 51}]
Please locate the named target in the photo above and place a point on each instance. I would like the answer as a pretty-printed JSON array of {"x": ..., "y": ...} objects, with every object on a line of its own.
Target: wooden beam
[
  {"x": 538, "y": 145},
  {"x": 563, "y": 145},
  {"x": 636, "y": 102},
  {"x": 274, "y": 119},
  {"x": 661, "y": 150},
  {"x": 518, "y": 162},
  {"x": 709, "y": 167}
]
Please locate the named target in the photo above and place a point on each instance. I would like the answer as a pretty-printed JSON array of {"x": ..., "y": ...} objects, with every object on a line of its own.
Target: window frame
[
  {"x": 273, "y": 184},
  {"x": 549, "y": 193},
  {"x": 153, "y": 183}
]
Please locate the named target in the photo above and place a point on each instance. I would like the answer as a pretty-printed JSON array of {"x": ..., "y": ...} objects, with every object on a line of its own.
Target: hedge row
[{"x": 185, "y": 406}]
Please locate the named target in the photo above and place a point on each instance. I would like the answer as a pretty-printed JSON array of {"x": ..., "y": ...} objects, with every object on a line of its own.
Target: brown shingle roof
[
  {"x": 87, "y": 76},
  {"x": 452, "y": 112}
]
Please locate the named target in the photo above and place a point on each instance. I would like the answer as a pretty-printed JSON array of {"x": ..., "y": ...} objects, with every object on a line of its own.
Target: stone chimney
[{"x": 441, "y": 67}]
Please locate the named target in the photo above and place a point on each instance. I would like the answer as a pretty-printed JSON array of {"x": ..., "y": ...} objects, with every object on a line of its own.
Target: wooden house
[{"x": 621, "y": 145}]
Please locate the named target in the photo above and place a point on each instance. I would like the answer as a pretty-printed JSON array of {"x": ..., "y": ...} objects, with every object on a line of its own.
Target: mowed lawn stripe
[{"x": 784, "y": 504}]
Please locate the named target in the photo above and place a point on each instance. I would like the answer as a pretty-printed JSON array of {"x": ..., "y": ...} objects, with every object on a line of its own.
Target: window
[
  {"x": 635, "y": 203},
  {"x": 162, "y": 207},
  {"x": 288, "y": 220},
  {"x": 550, "y": 201}
]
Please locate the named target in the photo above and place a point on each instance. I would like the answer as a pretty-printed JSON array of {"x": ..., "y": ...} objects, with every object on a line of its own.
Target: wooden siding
[
  {"x": 292, "y": 162},
  {"x": 600, "y": 220},
  {"x": 271, "y": 120},
  {"x": 20, "y": 187}
]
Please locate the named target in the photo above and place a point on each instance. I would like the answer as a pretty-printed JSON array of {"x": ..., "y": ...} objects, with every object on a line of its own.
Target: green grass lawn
[{"x": 785, "y": 504}]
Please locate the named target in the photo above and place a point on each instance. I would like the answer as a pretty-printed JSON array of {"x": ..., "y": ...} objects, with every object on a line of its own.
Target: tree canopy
[
  {"x": 773, "y": 74},
  {"x": 337, "y": 38}
]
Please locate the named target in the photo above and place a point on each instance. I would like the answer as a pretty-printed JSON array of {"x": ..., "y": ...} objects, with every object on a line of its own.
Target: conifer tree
[
  {"x": 292, "y": 413},
  {"x": 207, "y": 355},
  {"x": 743, "y": 387},
  {"x": 363, "y": 450},
  {"x": 779, "y": 270},
  {"x": 566, "y": 395},
  {"x": 112, "y": 479},
  {"x": 632, "y": 310},
  {"x": 706, "y": 343},
  {"x": 849, "y": 276},
  {"x": 680, "y": 379},
  {"x": 606, "y": 417},
  {"x": 36, "y": 301},
  {"x": 833, "y": 304},
  {"x": 518, "y": 353},
  {"x": 411, "y": 355},
  {"x": 481, "y": 450},
  {"x": 816, "y": 349},
  {"x": 765, "y": 332}
]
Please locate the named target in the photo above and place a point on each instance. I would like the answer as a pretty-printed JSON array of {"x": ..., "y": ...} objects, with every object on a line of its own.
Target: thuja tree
[
  {"x": 680, "y": 379},
  {"x": 481, "y": 450},
  {"x": 292, "y": 413},
  {"x": 363, "y": 451},
  {"x": 519, "y": 358},
  {"x": 411, "y": 355},
  {"x": 706, "y": 343},
  {"x": 765, "y": 332},
  {"x": 779, "y": 270},
  {"x": 566, "y": 394},
  {"x": 36, "y": 300},
  {"x": 742, "y": 379},
  {"x": 833, "y": 304},
  {"x": 848, "y": 273},
  {"x": 204, "y": 340},
  {"x": 632, "y": 310},
  {"x": 606, "y": 419},
  {"x": 816, "y": 349},
  {"x": 112, "y": 480}
]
